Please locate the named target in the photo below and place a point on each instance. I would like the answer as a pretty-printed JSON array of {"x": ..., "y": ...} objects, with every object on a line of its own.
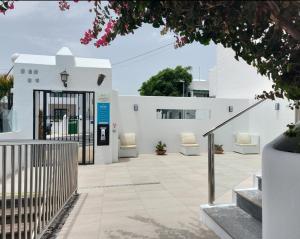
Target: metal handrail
[
  {"x": 38, "y": 178},
  {"x": 211, "y": 153},
  {"x": 233, "y": 117}
]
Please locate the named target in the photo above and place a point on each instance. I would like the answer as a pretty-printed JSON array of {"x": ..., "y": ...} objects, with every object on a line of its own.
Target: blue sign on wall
[{"x": 103, "y": 110}]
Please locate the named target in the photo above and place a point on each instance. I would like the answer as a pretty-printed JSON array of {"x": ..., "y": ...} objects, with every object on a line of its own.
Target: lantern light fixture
[{"x": 64, "y": 78}]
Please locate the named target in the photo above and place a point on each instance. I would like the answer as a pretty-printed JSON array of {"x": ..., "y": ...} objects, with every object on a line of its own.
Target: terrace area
[{"x": 153, "y": 196}]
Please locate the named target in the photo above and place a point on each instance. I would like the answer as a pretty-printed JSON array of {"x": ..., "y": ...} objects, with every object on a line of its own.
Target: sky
[{"x": 39, "y": 27}]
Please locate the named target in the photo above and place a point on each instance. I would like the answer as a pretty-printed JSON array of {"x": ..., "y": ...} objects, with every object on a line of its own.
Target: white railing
[
  {"x": 37, "y": 178},
  {"x": 211, "y": 151}
]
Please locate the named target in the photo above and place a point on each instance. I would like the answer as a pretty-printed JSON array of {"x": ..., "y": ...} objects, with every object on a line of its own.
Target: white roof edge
[
  {"x": 51, "y": 60},
  {"x": 92, "y": 62}
]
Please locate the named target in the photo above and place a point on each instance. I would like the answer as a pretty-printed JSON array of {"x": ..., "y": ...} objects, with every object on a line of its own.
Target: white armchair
[
  {"x": 245, "y": 143},
  {"x": 189, "y": 145},
  {"x": 127, "y": 148}
]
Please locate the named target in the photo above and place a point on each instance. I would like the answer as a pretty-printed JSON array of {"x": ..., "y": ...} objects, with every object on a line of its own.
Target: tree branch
[{"x": 281, "y": 21}]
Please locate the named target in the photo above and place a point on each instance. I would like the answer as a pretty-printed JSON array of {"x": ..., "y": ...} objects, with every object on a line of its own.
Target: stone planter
[{"x": 280, "y": 189}]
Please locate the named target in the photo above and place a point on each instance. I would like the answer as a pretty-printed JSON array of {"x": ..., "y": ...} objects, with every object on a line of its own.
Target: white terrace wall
[
  {"x": 263, "y": 120},
  {"x": 149, "y": 130}
]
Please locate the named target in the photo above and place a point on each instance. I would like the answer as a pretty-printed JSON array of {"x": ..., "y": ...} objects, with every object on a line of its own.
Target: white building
[
  {"x": 39, "y": 90},
  {"x": 235, "y": 79},
  {"x": 199, "y": 88},
  {"x": 41, "y": 99}
]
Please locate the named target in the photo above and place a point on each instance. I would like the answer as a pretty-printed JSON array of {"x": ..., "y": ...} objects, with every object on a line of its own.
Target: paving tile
[
  {"x": 153, "y": 197},
  {"x": 119, "y": 206}
]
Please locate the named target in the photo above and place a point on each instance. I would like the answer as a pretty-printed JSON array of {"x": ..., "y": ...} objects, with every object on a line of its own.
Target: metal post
[{"x": 211, "y": 169}]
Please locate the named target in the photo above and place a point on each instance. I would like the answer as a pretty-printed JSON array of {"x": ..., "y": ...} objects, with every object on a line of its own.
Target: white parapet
[{"x": 281, "y": 194}]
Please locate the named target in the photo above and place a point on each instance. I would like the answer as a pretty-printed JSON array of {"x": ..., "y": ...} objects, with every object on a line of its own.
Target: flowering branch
[{"x": 6, "y": 5}]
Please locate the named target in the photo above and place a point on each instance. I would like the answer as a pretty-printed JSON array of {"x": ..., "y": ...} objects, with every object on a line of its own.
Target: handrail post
[{"x": 211, "y": 169}]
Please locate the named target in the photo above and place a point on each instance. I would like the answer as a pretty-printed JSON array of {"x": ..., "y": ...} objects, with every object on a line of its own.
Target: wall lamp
[
  {"x": 64, "y": 78},
  {"x": 277, "y": 106},
  {"x": 135, "y": 107},
  {"x": 230, "y": 108},
  {"x": 100, "y": 79}
]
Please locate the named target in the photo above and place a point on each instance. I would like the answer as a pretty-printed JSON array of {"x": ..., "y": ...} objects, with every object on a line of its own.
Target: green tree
[
  {"x": 6, "y": 83},
  {"x": 168, "y": 82}
]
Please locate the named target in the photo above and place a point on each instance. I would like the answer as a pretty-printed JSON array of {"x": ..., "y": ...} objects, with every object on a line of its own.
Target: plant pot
[
  {"x": 219, "y": 151},
  {"x": 287, "y": 143},
  {"x": 161, "y": 152}
]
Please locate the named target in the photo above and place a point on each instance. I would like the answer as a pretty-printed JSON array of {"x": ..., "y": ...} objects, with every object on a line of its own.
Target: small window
[
  {"x": 30, "y": 71},
  {"x": 22, "y": 71},
  {"x": 186, "y": 114},
  {"x": 35, "y": 72},
  {"x": 200, "y": 93}
]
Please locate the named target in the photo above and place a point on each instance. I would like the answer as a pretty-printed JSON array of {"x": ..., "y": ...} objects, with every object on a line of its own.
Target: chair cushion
[
  {"x": 127, "y": 139},
  {"x": 190, "y": 145},
  {"x": 243, "y": 138},
  {"x": 188, "y": 138},
  {"x": 247, "y": 145},
  {"x": 128, "y": 146}
]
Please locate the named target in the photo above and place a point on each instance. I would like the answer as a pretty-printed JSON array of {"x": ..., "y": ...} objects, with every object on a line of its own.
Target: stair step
[
  {"x": 250, "y": 200},
  {"x": 259, "y": 182},
  {"x": 234, "y": 221}
]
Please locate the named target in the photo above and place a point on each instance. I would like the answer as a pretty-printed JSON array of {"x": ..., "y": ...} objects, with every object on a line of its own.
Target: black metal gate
[{"x": 66, "y": 116}]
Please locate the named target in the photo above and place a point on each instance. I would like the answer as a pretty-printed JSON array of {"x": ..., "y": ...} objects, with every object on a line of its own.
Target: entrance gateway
[
  {"x": 66, "y": 116},
  {"x": 67, "y": 98}
]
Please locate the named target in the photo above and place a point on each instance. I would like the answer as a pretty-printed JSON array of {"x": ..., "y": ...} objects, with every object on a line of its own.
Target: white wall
[
  {"x": 263, "y": 120},
  {"x": 235, "y": 79},
  {"x": 280, "y": 195},
  {"x": 269, "y": 122},
  {"x": 149, "y": 130}
]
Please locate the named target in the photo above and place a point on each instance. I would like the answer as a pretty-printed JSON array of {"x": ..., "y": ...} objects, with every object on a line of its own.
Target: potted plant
[
  {"x": 161, "y": 148},
  {"x": 219, "y": 149}
]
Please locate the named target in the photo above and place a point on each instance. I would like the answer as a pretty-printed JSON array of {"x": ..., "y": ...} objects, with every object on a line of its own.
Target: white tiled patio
[{"x": 153, "y": 196}]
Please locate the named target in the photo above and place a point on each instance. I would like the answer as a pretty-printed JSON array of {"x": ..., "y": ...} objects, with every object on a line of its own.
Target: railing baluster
[
  {"x": 3, "y": 202},
  {"x": 51, "y": 177},
  {"x": 32, "y": 155},
  {"x": 25, "y": 190},
  {"x": 47, "y": 205},
  {"x": 43, "y": 179},
  {"x": 12, "y": 192},
  {"x": 45, "y": 149},
  {"x": 20, "y": 204},
  {"x": 36, "y": 154},
  {"x": 55, "y": 180},
  {"x": 40, "y": 160}
]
